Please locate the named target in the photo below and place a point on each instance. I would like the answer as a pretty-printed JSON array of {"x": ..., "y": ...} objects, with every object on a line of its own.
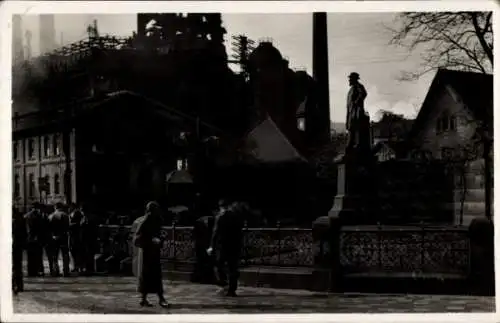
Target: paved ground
[{"x": 116, "y": 295}]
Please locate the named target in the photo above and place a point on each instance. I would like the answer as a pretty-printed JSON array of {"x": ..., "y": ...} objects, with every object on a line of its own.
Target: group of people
[
  {"x": 225, "y": 245},
  {"x": 70, "y": 229},
  {"x": 61, "y": 230}
]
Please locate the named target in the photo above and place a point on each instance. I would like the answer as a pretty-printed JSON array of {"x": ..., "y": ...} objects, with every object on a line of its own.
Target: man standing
[
  {"x": 75, "y": 243},
  {"x": 59, "y": 229},
  {"x": 19, "y": 236},
  {"x": 227, "y": 240},
  {"x": 149, "y": 240},
  {"x": 89, "y": 233},
  {"x": 34, "y": 226},
  {"x": 357, "y": 120}
]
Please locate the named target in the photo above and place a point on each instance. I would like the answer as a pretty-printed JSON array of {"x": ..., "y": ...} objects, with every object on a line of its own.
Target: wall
[{"x": 40, "y": 165}]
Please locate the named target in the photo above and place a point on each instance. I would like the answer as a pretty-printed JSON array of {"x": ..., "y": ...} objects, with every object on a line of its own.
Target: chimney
[
  {"x": 320, "y": 75},
  {"x": 47, "y": 33},
  {"x": 17, "y": 38},
  {"x": 28, "y": 36}
]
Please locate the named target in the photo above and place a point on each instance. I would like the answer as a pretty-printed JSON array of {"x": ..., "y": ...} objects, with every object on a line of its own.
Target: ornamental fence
[
  {"x": 419, "y": 250},
  {"x": 363, "y": 249}
]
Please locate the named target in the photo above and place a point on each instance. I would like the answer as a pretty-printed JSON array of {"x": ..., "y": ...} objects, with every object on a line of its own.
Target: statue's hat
[{"x": 354, "y": 75}]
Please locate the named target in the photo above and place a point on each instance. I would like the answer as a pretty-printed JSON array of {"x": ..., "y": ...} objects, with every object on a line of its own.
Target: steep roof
[
  {"x": 269, "y": 145},
  {"x": 475, "y": 90}
]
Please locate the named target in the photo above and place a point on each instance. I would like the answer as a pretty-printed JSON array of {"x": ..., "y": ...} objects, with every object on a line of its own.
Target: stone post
[
  {"x": 482, "y": 261},
  {"x": 326, "y": 274}
]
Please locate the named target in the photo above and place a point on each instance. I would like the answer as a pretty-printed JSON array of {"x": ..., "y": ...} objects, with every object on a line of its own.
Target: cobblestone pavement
[{"x": 116, "y": 295}]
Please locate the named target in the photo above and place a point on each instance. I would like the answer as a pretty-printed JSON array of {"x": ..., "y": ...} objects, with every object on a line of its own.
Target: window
[
  {"x": 56, "y": 145},
  {"x": 182, "y": 164},
  {"x": 301, "y": 124},
  {"x": 453, "y": 123},
  {"x": 46, "y": 146},
  {"x": 15, "y": 151},
  {"x": 446, "y": 123},
  {"x": 32, "y": 187},
  {"x": 31, "y": 149},
  {"x": 57, "y": 184},
  {"x": 47, "y": 184},
  {"x": 17, "y": 187}
]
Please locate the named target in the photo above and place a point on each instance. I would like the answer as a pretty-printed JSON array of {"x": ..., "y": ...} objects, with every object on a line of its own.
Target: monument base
[{"x": 348, "y": 209}]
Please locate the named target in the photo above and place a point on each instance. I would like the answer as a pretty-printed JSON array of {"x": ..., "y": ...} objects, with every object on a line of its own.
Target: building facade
[
  {"x": 456, "y": 107},
  {"x": 39, "y": 166}
]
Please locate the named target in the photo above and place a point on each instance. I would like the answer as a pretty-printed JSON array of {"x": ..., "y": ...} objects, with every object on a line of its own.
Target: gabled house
[
  {"x": 457, "y": 107},
  {"x": 453, "y": 107}
]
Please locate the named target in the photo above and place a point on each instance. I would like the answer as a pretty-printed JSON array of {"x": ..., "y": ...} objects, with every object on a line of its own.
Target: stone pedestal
[
  {"x": 482, "y": 258},
  {"x": 353, "y": 202},
  {"x": 326, "y": 274}
]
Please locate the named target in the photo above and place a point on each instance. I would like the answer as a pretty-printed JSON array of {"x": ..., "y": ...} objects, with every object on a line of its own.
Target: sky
[{"x": 358, "y": 42}]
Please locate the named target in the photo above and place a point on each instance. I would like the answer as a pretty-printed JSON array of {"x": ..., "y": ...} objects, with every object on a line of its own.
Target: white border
[{"x": 7, "y": 8}]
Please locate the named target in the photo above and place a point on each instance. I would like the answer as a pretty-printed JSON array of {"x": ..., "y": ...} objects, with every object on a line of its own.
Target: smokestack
[
  {"x": 28, "y": 36},
  {"x": 47, "y": 34},
  {"x": 320, "y": 75},
  {"x": 17, "y": 38}
]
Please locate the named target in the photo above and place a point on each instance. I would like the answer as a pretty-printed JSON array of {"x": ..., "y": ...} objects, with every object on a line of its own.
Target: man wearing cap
[{"x": 356, "y": 117}]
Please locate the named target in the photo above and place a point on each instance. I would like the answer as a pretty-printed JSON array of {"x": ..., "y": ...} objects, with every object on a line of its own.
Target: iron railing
[
  {"x": 414, "y": 250},
  {"x": 261, "y": 246},
  {"x": 363, "y": 249}
]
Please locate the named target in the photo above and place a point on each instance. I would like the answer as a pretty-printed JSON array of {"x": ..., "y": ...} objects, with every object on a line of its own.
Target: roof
[
  {"x": 44, "y": 118},
  {"x": 267, "y": 144},
  {"x": 475, "y": 89}
]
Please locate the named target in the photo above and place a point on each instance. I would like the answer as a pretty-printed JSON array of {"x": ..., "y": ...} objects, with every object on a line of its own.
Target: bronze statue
[{"x": 357, "y": 122}]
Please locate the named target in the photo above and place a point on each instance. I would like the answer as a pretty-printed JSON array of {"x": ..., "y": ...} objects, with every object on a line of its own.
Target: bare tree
[{"x": 454, "y": 40}]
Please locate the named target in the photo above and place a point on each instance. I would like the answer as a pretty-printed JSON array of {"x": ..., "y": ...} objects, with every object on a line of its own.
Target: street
[{"x": 117, "y": 295}]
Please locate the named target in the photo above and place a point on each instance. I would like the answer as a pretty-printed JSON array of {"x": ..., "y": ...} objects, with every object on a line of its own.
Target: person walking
[
  {"x": 34, "y": 227},
  {"x": 19, "y": 236},
  {"x": 59, "y": 229},
  {"x": 226, "y": 244},
  {"x": 149, "y": 241}
]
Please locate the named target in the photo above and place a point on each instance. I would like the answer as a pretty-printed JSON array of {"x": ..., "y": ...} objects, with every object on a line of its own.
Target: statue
[{"x": 357, "y": 122}]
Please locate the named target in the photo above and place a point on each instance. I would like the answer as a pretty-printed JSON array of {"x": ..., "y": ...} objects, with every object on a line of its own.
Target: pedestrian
[
  {"x": 59, "y": 230},
  {"x": 226, "y": 244},
  {"x": 34, "y": 226},
  {"x": 47, "y": 236},
  {"x": 148, "y": 239},
  {"x": 75, "y": 235},
  {"x": 89, "y": 235},
  {"x": 19, "y": 236}
]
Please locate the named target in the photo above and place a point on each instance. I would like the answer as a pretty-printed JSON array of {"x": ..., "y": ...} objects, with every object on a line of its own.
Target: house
[
  {"x": 457, "y": 106},
  {"x": 121, "y": 148},
  {"x": 390, "y": 150}
]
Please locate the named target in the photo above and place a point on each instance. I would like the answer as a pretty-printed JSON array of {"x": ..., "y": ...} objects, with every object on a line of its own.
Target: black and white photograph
[{"x": 196, "y": 160}]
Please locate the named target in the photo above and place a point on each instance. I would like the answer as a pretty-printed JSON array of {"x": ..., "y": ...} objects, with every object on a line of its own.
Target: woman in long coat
[{"x": 148, "y": 239}]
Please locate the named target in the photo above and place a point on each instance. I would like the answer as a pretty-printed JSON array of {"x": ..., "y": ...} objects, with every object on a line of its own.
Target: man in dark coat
[
  {"x": 227, "y": 241},
  {"x": 75, "y": 235},
  {"x": 89, "y": 232},
  {"x": 34, "y": 226},
  {"x": 149, "y": 240},
  {"x": 19, "y": 236},
  {"x": 47, "y": 236},
  {"x": 58, "y": 225}
]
